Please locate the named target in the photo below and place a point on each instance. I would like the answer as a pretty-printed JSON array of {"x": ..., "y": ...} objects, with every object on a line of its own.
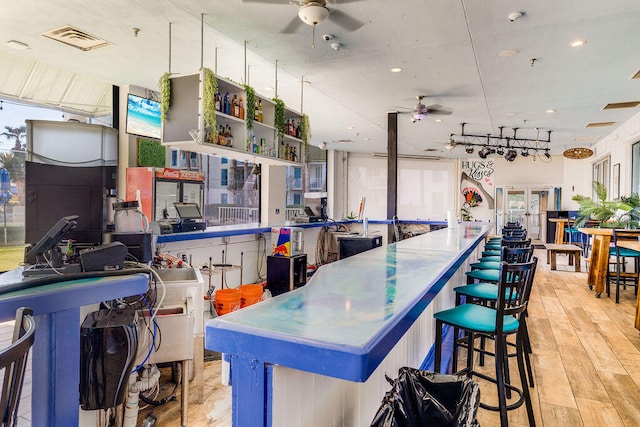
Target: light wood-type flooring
[{"x": 586, "y": 361}]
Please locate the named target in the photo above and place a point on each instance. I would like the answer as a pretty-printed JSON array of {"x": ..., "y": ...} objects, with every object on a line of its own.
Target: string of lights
[{"x": 501, "y": 144}]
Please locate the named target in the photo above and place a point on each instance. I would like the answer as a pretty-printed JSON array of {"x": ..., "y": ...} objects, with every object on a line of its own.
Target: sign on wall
[{"x": 477, "y": 188}]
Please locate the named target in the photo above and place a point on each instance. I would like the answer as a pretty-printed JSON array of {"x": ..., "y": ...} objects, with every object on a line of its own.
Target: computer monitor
[
  {"x": 51, "y": 239},
  {"x": 188, "y": 210}
]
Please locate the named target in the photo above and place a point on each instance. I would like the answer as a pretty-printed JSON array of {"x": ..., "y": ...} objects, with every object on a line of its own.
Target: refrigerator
[{"x": 157, "y": 189}]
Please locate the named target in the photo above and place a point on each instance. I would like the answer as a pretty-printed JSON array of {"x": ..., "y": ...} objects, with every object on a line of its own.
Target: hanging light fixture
[{"x": 578, "y": 153}]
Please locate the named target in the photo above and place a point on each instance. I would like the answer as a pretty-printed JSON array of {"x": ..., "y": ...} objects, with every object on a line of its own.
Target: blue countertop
[{"x": 352, "y": 312}]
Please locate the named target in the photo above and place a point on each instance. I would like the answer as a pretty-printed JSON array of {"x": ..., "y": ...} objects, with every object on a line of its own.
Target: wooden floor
[{"x": 586, "y": 362}]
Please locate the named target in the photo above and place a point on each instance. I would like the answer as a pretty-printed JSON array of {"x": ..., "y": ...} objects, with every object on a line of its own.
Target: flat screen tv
[{"x": 143, "y": 117}]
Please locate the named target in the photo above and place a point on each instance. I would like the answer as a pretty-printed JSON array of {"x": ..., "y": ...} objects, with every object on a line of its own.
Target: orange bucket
[
  {"x": 250, "y": 294},
  {"x": 227, "y": 300}
]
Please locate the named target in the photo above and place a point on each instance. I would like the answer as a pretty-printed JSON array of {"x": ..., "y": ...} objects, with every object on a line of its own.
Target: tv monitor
[
  {"x": 188, "y": 210},
  {"x": 143, "y": 117},
  {"x": 50, "y": 240}
]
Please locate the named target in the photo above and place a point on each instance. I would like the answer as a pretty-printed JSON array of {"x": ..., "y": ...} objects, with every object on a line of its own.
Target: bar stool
[
  {"x": 620, "y": 273},
  {"x": 514, "y": 289},
  {"x": 13, "y": 361},
  {"x": 490, "y": 274}
]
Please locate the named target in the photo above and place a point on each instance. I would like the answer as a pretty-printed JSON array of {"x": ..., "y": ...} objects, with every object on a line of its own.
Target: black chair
[
  {"x": 619, "y": 272},
  {"x": 13, "y": 361},
  {"x": 506, "y": 319}
]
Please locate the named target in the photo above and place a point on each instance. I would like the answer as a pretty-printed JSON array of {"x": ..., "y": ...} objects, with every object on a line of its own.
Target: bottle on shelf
[
  {"x": 259, "y": 115},
  {"x": 226, "y": 104},
  {"x": 229, "y": 137},
  {"x": 298, "y": 131},
  {"x": 240, "y": 108},
  {"x": 217, "y": 101},
  {"x": 235, "y": 111},
  {"x": 256, "y": 114}
]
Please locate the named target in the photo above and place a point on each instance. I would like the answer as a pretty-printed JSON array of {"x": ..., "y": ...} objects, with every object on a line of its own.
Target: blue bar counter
[
  {"x": 55, "y": 354},
  {"x": 297, "y": 359}
]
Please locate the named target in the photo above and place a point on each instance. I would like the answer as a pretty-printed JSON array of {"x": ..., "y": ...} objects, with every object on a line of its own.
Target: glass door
[{"x": 525, "y": 205}]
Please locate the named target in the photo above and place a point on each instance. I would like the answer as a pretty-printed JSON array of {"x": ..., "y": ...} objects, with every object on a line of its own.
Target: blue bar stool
[
  {"x": 620, "y": 274},
  {"x": 514, "y": 289}
]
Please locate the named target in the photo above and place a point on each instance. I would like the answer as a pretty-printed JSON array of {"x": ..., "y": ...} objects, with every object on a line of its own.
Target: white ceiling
[{"x": 447, "y": 49}]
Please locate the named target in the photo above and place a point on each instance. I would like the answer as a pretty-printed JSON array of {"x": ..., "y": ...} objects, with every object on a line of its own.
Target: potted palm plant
[{"x": 620, "y": 213}]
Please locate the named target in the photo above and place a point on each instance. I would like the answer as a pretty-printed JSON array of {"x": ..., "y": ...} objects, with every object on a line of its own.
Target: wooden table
[
  {"x": 599, "y": 261},
  {"x": 561, "y": 224},
  {"x": 572, "y": 250}
]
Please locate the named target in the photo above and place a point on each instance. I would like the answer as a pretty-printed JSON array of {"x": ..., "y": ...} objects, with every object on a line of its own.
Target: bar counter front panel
[{"x": 318, "y": 355}]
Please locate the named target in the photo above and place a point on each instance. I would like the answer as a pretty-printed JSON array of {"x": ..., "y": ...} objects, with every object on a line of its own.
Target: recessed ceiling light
[
  {"x": 17, "y": 45},
  {"x": 268, "y": 88},
  {"x": 349, "y": 127},
  {"x": 509, "y": 52},
  {"x": 511, "y": 114},
  {"x": 438, "y": 120},
  {"x": 551, "y": 110},
  {"x": 367, "y": 139},
  {"x": 578, "y": 43},
  {"x": 396, "y": 69}
]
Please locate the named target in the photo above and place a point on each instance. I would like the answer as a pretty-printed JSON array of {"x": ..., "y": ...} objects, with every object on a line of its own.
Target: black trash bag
[{"x": 422, "y": 398}]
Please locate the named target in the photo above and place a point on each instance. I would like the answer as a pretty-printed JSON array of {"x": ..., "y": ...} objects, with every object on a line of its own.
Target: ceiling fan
[
  {"x": 313, "y": 12},
  {"x": 421, "y": 111}
]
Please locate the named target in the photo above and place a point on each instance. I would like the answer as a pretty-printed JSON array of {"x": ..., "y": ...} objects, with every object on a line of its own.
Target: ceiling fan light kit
[{"x": 313, "y": 13}]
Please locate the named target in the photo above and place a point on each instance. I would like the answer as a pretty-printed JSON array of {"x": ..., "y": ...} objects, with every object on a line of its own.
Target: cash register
[{"x": 190, "y": 217}]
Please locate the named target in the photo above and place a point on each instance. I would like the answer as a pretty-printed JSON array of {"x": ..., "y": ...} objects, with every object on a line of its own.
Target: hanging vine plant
[
  {"x": 278, "y": 118},
  {"x": 210, "y": 87},
  {"x": 164, "y": 84},
  {"x": 250, "y": 108},
  {"x": 305, "y": 134}
]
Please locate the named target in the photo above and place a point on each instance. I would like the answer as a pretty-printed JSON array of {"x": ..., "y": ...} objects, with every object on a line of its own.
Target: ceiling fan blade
[
  {"x": 433, "y": 107},
  {"x": 292, "y": 26},
  {"x": 342, "y": 1},
  {"x": 268, "y": 1},
  {"x": 345, "y": 21},
  {"x": 439, "y": 112}
]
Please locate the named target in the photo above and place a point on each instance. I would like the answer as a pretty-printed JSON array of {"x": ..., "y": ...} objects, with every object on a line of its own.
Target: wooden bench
[{"x": 572, "y": 250}]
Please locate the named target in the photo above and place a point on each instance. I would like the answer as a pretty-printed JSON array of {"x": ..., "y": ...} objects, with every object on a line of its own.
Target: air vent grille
[
  {"x": 616, "y": 105},
  {"x": 76, "y": 38},
  {"x": 584, "y": 138},
  {"x": 600, "y": 124}
]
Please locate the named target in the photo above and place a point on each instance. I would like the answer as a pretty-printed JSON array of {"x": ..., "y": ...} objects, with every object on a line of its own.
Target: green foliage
[
  {"x": 210, "y": 87},
  {"x": 250, "y": 106},
  {"x": 16, "y": 135},
  {"x": 620, "y": 213},
  {"x": 465, "y": 212},
  {"x": 278, "y": 119},
  {"x": 164, "y": 84},
  {"x": 14, "y": 164},
  {"x": 352, "y": 215},
  {"x": 151, "y": 153}
]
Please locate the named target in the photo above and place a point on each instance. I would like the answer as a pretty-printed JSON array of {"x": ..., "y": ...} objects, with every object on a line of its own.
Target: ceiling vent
[
  {"x": 616, "y": 105},
  {"x": 600, "y": 124},
  {"x": 76, "y": 38}
]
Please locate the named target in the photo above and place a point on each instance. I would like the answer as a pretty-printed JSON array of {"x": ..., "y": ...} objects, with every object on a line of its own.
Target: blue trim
[
  {"x": 248, "y": 391},
  {"x": 244, "y": 229}
]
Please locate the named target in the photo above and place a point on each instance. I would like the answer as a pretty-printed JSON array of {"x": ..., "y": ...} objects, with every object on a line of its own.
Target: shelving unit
[{"x": 184, "y": 128}]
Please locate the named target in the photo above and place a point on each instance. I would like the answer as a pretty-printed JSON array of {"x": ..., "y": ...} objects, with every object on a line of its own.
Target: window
[
  {"x": 635, "y": 167},
  {"x": 224, "y": 177},
  {"x": 232, "y": 191},
  {"x": 601, "y": 173}
]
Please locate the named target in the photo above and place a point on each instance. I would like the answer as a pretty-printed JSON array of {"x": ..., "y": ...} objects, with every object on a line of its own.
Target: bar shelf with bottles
[
  {"x": 290, "y": 145},
  {"x": 184, "y": 127}
]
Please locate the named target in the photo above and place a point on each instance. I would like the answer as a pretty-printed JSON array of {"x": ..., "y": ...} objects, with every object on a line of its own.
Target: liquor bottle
[
  {"x": 256, "y": 114},
  {"x": 260, "y": 116},
  {"x": 240, "y": 108},
  {"x": 229, "y": 137},
  {"x": 217, "y": 102},
  {"x": 287, "y": 151},
  {"x": 298, "y": 131},
  {"x": 234, "y": 106},
  {"x": 226, "y": 104}
]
